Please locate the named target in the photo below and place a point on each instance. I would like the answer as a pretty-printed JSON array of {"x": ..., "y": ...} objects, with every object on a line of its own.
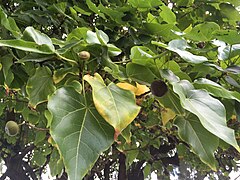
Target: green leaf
[
  {"x": 202, "y": 32},
  {"x": 79, "y": 131},
  {"x": 233, "y": 16},
  {"x": 115, "y": 15},
  {"x": 63, "y": 72},
  {"x": 228, "y": 52},
  {"x": 97, "y": 38},
  {"x": 228, "y": 36},
  {"x": 82, "y": 11},
  {"x": 139, "y": 73},
  {"x": 147, "y": 170},
  {"x": 179, "y": 46},
  {"x": 39, "y": 137},
  {"x": 27, "y": 46},
  {"x": 144, "y": 4},
  {"x": 131, "y": 156},
  {"x": 171, "y": 100},
  {"x": 10, "y": 24},
  {"x": 94, "y": 8},
  {"x": 113, "y": 50},
  {"x": 167, "y": 15},
  {"x": 183, "y": 3},
  {"x": 216, "y": 89},
  {"x": 30, "y": 34},
  {"x": 142, "y": 55},
  {"x": 56, "y": 163},
  {"x": 39, "y": 86},
  {"x": 36, "y": 57},
  {"x": 78, "y": 33},
  {"x": 116, "y": 105},
  {"x": 7, "y": 62},
  {"x": 126, "y": 134},
  {"x": 39, "y": 158},
  {"x": 164, "y": 30},
  {"x": 209, "y": 110},
  {"x": 203, "y": 143}
]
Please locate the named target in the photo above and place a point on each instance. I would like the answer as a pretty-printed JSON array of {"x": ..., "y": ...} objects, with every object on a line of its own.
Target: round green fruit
[
  {"x": 159, "y": 88},
  {"x": 84, "y": 55},
  {"x": 11, "y": 128}
]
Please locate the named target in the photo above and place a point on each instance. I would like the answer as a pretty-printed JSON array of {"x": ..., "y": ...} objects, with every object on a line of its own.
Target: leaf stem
[
  {"x": 160, "y": 55},
  {"x": 34, "y": 127},
  {"x": 64, "y": 58}
]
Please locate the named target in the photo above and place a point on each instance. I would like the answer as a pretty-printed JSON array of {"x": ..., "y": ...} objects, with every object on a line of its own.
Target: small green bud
[{"x": 11, "y": 128}]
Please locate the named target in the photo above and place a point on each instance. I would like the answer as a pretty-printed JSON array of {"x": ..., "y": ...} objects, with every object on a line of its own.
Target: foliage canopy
[{"x": 126, "y": 87}]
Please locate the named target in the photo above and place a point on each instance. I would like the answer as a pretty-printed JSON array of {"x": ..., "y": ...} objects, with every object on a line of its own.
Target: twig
[{"x": 37, "y": 128}]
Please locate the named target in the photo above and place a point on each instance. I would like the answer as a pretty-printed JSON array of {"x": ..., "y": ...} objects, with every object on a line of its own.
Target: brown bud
[{"x": 159, "y": 88}]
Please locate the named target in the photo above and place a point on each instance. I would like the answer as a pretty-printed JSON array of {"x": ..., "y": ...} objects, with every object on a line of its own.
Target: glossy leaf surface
[
  {"x": 203, "y": 143},
  {"x": 209, "y": 110},
  {"x": 117, "y": 106},
  {"x": 79, "y": 131},
  {"x": 216, "y": 89}
]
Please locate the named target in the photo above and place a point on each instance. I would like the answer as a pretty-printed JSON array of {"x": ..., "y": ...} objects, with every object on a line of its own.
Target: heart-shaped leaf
[
  {"x": 79, "y": 131},
  {"x": 209, "y": 110},
  {"x": 116, "y": 105},
  {"x": 203, "y": 143}
]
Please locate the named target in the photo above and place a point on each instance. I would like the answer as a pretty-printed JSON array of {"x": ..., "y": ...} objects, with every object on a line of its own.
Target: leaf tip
[{"x": 116, "y": 134}]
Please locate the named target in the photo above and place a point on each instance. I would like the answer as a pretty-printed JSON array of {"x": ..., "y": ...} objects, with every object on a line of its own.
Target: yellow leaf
[
  {"x": 138, "y": 90},
  {"x": 127, "y": 86},
  {"x": 141, "y": 89},
  {"x": 167, "y": 114}
]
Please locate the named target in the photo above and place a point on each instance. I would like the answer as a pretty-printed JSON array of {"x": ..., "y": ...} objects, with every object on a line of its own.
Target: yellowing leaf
[
  {"x": 116, "y": 105},
  {"x": 138, "y": 90},
  {"x": 141, "y": 89},
  {"x": 167, "y": 114},
  {"x": 127, "y": 86}
]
